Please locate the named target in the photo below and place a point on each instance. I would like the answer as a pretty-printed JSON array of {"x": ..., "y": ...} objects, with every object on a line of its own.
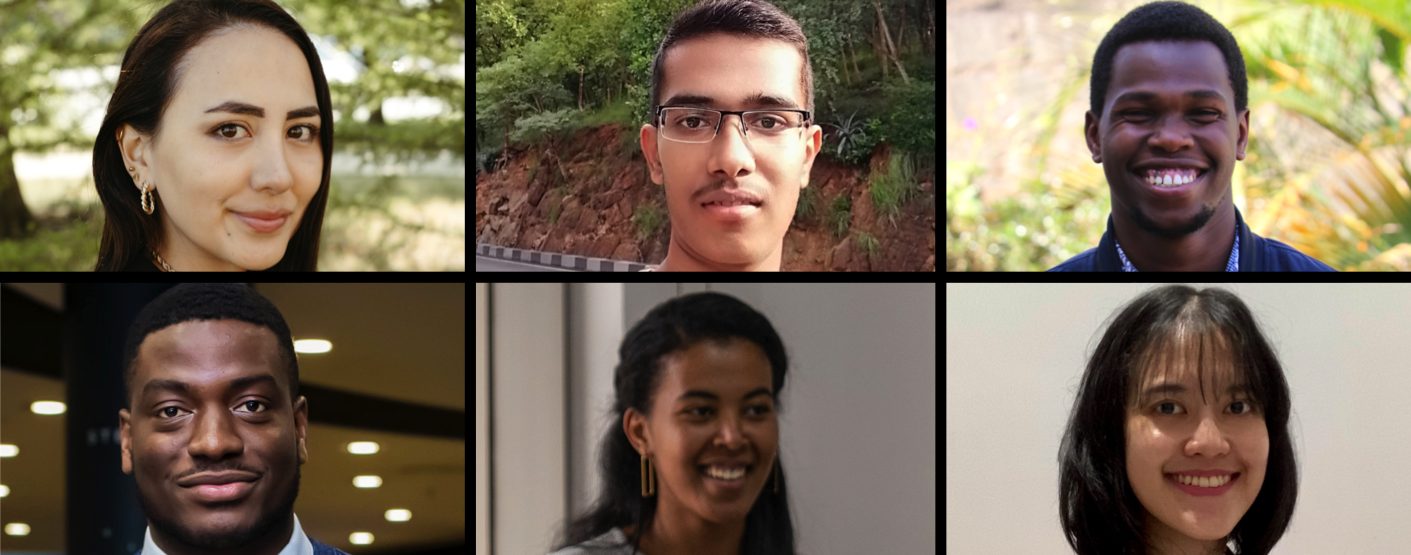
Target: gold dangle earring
[
  {"x": 649, "y": 480},
  {"x": 776, "y": 476}
]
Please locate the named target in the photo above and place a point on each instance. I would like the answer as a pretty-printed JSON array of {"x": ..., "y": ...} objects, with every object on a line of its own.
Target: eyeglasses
[{"x": 700, "y": 125}]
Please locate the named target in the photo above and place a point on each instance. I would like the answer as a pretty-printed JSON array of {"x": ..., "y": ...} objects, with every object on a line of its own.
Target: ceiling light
[
  {"x": 47, "y": 407},
  {"x": 398, "y": 515},
  {"x": 367, "y": 481},
  {"x": 363, "y": 447},
  {"x": 17, "y": 529},
  {"x": 4, "y": 490},
  {"x": 312, "y": 346},
  {"x": 360, "y": 538},
  {"x": 7, "y": 450}
]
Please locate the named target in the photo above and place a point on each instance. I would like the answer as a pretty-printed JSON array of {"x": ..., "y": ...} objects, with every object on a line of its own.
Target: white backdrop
[{"x": 1015, "y": 353}]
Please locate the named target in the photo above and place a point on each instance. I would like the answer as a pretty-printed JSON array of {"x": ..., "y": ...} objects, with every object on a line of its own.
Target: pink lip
[
  {"x": 263, "y": 222},
  {"x": 1205, "y": 492},
  {"x": 730, "y": 214},
  {"x": 218, "y": 493}
]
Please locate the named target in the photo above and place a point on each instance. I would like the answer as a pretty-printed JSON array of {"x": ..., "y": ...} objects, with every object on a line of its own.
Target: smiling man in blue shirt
[{"x": 1168, "y": 119}]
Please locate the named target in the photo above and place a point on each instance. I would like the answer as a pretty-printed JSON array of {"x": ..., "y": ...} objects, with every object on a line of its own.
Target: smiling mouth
[{"x": 1170, "y": 178}]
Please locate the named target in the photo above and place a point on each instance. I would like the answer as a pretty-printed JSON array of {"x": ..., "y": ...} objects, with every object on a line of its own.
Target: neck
[
  {"x": 680, "y": 258},
  {"x": 676, "y": 530},
  {"x": 270, "y": 543},
  {"x": 1205, "y": 250}
]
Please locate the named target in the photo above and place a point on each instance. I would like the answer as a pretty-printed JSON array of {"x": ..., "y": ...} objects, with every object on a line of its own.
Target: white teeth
[
  {"x": 1204, "y": 481},
  {"x": 722, "y": 473},
  {"x": 1171, "y": 178}
]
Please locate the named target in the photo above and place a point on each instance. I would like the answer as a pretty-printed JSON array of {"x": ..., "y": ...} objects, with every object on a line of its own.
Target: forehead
[
  {"x": 728, "y": 368},
  {"x": 207, "y": 352},
  {"x": 1169, "y": 67},
  {"x": 730, "y": 68},
  {"x": 249, "y": 63},
  {"x": 1201, "y": 358}
]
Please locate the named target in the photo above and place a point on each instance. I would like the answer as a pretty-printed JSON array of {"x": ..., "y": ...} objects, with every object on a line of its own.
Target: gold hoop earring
[
  {"x": 146, "y": 198},
  {"x": 649, "y": 480}
]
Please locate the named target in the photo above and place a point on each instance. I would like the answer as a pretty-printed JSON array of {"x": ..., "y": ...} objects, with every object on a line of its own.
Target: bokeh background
[
  {"x": 1328, "y": 169},
  {"x": 396, "y": 72}
]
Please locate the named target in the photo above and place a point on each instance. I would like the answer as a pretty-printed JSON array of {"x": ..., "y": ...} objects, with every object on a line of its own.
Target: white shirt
[{"x": 298, "y": 543}]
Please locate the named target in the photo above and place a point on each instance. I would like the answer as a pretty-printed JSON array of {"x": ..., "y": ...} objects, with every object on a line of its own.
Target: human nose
[
  {"x": 730, "y": 436},
  {"x": 214, "y": 437},
  {"x": 1171, "y": 135},
  {"x": 1208, "y": 439},
  {"x": 730, "y": 151},
  {"x": 272, "y": 169}
]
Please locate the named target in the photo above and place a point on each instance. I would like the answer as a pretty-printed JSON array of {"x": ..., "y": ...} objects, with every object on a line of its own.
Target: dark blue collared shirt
[{"x": 1256, "y": 254}]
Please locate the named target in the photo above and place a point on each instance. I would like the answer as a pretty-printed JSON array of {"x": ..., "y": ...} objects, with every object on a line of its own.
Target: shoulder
[
  {"x": 614, "y": 542},
  {"x": 1085, "y": 261},
  {"x": 1281, "y": 257},
  {"x": 321, "y": 549}
]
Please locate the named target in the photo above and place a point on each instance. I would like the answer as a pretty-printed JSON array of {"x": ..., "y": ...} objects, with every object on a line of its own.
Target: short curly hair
[
  {"x": 202, "y": 301},
  {"x": 1167, "y": 21}
]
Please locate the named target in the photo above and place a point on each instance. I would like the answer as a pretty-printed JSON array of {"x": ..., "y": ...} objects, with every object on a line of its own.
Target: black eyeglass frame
[{"x": 807, "y": 118}]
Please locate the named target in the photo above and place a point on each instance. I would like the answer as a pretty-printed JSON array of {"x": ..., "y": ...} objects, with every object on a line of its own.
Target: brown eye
[
  {"x": 229, "y": 131},
  {"x": 169, "y": 412},
  {"x": 254, "y": 406}
]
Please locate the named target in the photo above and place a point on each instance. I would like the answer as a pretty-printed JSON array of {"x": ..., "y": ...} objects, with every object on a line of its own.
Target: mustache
[{"x": 722, "y": 185}]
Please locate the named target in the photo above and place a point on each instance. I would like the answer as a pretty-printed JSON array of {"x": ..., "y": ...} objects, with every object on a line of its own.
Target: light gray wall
[{"x": 1015, "y": 354}]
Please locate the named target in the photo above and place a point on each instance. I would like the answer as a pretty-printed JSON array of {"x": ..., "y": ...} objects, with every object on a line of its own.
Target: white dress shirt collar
[{"x": 299, "y": 543}]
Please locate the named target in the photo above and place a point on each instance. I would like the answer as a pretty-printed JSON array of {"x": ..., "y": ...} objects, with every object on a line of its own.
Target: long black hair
[
  {"x": 146, "y": 85},
  {"x": 674, "y": 326},
  {"x": 1210, "y": 330}
]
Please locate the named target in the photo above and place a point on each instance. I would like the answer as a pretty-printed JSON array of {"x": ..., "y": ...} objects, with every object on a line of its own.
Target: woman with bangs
[{"x": 1178, "y": 440}]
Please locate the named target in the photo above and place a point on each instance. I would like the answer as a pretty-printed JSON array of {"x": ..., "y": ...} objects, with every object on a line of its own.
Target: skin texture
[
  {"x": 682, "y": 433},
  {"x": 214, "y": 428},
  {"x": 1172, "y": 432},
  {"x": 730, "y": 69},
  {"x": 1195, "y": 231},
  {"x": 206, "y": 166}
]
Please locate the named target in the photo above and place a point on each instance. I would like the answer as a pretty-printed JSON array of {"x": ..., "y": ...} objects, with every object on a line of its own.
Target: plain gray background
[{"x": 1015, "y": 354}]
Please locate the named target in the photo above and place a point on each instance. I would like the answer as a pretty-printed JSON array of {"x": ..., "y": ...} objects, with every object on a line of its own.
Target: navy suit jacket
[{"x": 321, "y": 549}]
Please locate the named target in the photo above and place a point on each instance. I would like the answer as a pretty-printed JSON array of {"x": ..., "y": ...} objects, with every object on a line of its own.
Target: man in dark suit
[{"x": 214, "y": 433}]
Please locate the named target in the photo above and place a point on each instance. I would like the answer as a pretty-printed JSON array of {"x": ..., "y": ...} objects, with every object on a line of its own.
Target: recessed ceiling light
[
  {"x": 7, "y": 450},
  {"x": 312, "y": 346},
  {"x": 363, "y": 447},
  {"x": 360, "y": 538},
  {"x": 17, "y": 529},
  {"x": 47, "y": 407},
  {"x": 4, "y": 490},
  {"x": 367, "y": 481},
  {"x": 398, "y": 515}
]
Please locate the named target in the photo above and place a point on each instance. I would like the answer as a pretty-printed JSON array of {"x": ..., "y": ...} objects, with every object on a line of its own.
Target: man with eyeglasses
[{"x": 731, "y": 137}]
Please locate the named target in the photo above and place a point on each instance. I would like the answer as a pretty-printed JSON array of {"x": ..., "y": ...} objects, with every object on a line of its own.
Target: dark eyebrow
[
  {"x": 185, "y": 388},
  {"x": 1147, "y": 96},
  {"x": 1178, "y": 389},
  {"x": 242, "y": 108},
  {"x": 756, "y": 100},
  {"x": 708, "y": 396}
]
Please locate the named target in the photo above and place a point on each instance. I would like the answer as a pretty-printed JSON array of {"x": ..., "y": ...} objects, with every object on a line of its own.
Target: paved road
[{"x": 483, "y": 264}]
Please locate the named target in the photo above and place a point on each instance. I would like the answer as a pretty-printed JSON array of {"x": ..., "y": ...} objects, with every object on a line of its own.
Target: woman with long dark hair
[
  {"x": 694, "y": 467},
  {"x": 1178, "y": 441},
  {"x": 216, "y": 148}
]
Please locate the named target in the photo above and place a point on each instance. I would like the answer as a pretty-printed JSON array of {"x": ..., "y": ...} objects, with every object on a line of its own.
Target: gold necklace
[{"x": 161, "y": 263}]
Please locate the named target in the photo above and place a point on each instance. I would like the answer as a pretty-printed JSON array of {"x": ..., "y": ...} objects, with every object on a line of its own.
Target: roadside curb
[{"x": 558, "y": 260}]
